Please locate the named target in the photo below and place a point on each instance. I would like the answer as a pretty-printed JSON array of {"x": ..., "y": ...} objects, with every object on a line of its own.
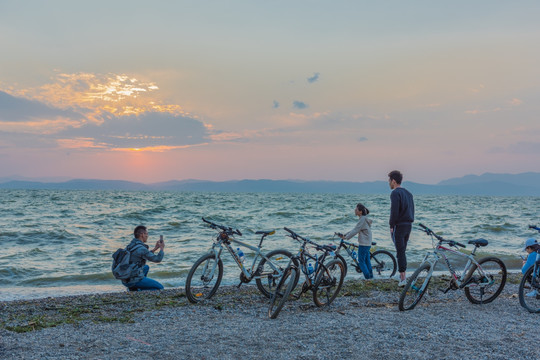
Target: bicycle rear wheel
[
  {"x": 282, "y": 292},
  {"x": 342, "y": 259},
  {"x": 484, "y": 288},
  {"x": 529, "y": 290},
  {"x": 415, "y": 288},
  {"x": 383, "y": 264},
  {"x": 204, "y": 278},
  {"x": 328, "y": 282}
]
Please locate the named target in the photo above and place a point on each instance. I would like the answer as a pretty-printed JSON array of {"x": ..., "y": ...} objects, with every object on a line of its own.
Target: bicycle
[
  {"x": 324, "y": 279},
  {"x": 486, "y": 276},
  {"x": 205, "y": 275},
  {"x": 531, "y": 282},
  {"x": 383, "y": 262}
]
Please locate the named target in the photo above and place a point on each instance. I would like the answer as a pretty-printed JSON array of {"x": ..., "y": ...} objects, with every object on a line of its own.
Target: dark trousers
[{"x": 401, "y": 238}]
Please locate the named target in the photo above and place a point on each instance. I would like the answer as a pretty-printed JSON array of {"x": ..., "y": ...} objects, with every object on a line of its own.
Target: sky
[{"x": 151, "y": 91}]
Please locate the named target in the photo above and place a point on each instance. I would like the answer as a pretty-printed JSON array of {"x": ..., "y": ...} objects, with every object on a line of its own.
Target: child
[
  {"x": 531, "y": 247},
  {"x": 363, "y": 229}
]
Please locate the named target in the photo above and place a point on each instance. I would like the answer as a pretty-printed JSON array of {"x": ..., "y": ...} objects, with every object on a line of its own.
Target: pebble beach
[{"x": 363, "y": 323}]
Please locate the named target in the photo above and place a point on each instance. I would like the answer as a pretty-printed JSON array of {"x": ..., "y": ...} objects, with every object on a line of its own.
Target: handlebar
[
  {"x": 297, "y": 237},
  {"x": 440, "y": 238},
  {"x": 228, "y": 230},
  {"x": 534, "y": 227}
]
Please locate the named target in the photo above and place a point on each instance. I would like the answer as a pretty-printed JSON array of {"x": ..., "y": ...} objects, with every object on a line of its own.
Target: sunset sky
[{"x": 152, "y": 91}]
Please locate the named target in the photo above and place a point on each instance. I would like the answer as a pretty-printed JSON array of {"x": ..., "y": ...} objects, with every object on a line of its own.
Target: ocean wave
[{"x": 82, "y": 229}]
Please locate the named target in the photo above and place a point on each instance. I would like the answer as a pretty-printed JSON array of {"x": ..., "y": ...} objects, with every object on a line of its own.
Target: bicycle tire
[
  {"x": 383, "y": 264},
  {"x": 198, "y": 287},
  {"x": 268, "y": 278},
  {"x": 342, "y": 259},
  {"x": 530, "y": 282},
  {"x": 282, "y": 292},
  {"x": 415, "y": 288},
  {"x": 477, "y": 285},
  {"x": 328, "y": 282}
]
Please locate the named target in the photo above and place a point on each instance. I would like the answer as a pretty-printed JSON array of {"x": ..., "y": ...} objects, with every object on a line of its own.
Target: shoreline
[
  {"x": 364, "y": 319},
  {"x": 90, "y": 290}
]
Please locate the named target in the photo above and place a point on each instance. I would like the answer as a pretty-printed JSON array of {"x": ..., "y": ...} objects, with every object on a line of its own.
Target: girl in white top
[{"x": 363, "y": 229}]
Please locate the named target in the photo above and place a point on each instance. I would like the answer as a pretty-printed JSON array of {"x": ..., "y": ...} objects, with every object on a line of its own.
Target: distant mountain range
[{"x": 525, "y": 184}]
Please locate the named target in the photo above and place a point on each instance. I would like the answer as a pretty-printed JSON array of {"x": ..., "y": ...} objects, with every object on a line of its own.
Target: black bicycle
[
  {"x": 324, "y": 278},
  {"x": 383, "y": 263},
  {"x": 529, "y": 288}
]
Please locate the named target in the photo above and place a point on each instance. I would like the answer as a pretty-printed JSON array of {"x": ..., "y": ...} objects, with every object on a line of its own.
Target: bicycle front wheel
[
  {"x": 383, "y": 264},
  {"x": 529, "y": 290},
  {"x": 484, "y": 286},
  {"x": 328, "y": 282},
  {"x": 270, "y": 271},
  {"x": 204, "y": 278},
  {"x": 282, "y": 292},
  {"x": 415, "y": 288}
]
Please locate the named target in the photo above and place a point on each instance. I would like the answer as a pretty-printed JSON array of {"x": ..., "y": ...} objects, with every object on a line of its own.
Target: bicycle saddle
[
  {"x": 478, "y": 242},
  {"x": 271, "y": 232},
  {"x": 373, "y": 243}
]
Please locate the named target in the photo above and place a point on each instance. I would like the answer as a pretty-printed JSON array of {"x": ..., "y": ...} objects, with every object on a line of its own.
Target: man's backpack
[{"x": 121, "y": 267}]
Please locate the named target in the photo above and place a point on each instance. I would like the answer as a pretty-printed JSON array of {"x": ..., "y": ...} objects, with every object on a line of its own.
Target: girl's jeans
[{"x": 364, "y": 261}]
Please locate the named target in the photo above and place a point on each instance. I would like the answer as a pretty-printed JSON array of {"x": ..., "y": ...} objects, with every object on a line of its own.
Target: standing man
[{"x": 401, "y": 219}]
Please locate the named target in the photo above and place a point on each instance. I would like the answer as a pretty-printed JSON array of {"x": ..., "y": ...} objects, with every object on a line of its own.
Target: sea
[{"x": 60, "y": 242}]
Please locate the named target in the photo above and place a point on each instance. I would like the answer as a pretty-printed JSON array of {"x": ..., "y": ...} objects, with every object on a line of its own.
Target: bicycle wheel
[
  {"x": 204, "y": 278},
  {"x": 282, "y": 292},
  {"x": 415, "y": 288},
  {"x": 529, "y": 290},
  {"x": 270, "y": 271},
  {"x": 383, "y": 264},
  {"x": 484, "y": 288},
  {"x": 328, "y": 282},
  {"x": 342, "y": 259}
]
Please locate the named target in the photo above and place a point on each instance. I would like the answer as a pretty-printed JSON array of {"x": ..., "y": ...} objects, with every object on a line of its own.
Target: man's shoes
[
  {"x": 402, "y": 283},
  {"x": 532, "y": 293}
]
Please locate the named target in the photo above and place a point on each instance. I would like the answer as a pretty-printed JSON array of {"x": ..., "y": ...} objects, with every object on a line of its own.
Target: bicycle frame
[
  {"x": 438, "y": 253},
  {"x": 248, "y": 271},
  {"x": 303, "y": 256},
  {"x": 224, "y": 239}
]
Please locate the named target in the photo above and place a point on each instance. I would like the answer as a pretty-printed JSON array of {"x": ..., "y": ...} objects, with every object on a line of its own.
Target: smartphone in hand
[{"x": 160, "y": 238}]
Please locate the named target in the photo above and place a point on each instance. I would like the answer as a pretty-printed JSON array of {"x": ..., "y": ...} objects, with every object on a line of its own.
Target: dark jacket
[
  {"x": 402, "y": 207},
  {"x": 140, "y": 255}
]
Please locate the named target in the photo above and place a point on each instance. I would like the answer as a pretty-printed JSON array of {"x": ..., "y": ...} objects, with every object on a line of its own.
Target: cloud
[
  {"x": 148, "y": 130},
  {"x": 476, "y": 112},
  {"x": 313, "y": 78},
  {"x": 275, "y": 105},
  {"x": 515, "y": 102},
  {"x": 93, "y": 111},
  {"x": 299, "y": 105},
  {"x": 17, "y": 109},
  {"x": 478, "y": 89},
  {"x": 362, "y": 139}
]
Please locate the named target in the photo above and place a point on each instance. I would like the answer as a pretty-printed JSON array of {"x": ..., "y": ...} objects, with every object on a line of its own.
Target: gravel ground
[{"x": 363, "y": 323}]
